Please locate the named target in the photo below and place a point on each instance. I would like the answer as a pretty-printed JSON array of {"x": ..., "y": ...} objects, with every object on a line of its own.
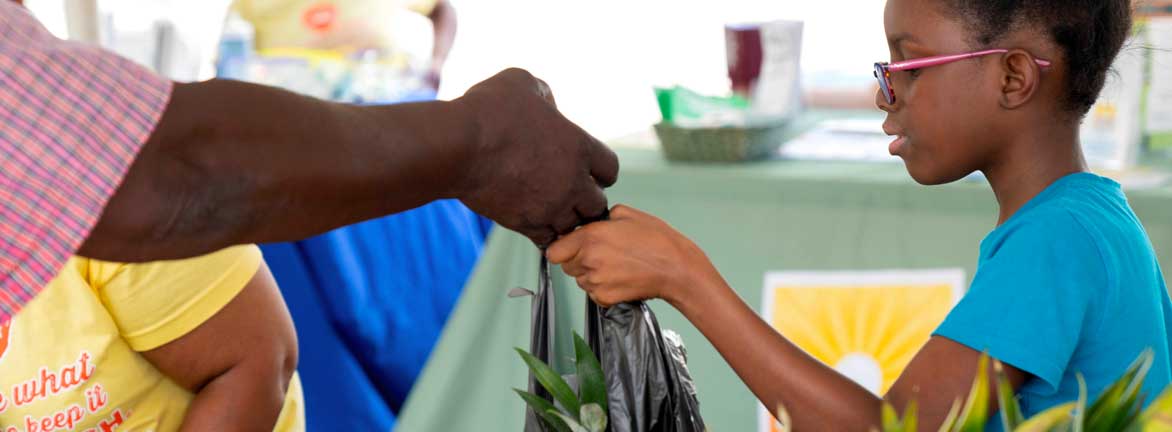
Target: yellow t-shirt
[
  {"x": 70, "y": 359},
  {"x": 327, "y": 24}
]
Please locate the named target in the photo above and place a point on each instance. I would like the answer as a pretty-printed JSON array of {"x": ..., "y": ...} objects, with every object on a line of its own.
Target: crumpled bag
[{"x": 649, "y": 388}]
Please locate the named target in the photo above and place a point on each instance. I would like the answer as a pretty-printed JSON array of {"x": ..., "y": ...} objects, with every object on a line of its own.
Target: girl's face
[{"x": 943, "y": 116}]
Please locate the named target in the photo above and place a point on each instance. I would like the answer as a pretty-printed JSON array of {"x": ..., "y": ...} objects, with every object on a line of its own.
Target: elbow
[
  {"x": 283, "y": 358},
  {"x": 287, "y": 360},
  {"x": 273, "y": 352},
  {"x": 270, "y": 376},
  {"x": 278, "y": 374},
  {"x": 286, "y": 367}
]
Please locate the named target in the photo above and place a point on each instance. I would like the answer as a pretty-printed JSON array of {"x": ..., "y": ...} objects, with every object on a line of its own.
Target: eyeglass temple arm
[{"x": 939, "y": 60}]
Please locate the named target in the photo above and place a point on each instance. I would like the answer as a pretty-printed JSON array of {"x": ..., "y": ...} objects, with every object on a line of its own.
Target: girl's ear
[{"x": 1020, "y": 78}]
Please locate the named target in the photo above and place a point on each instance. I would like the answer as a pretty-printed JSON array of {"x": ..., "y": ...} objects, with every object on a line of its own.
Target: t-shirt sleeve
[
  {"x": 156, "y": 303},
  {"x": 1029, "y": 301},
  {"x": 73, "y": 119}
]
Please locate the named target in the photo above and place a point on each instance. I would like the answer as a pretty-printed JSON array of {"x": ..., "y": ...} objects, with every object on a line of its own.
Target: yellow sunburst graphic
[{"x": 866, "y": 325}]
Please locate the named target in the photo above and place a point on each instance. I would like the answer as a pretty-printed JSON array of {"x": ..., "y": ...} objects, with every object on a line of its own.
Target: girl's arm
[{"x": 637, "y": 256}]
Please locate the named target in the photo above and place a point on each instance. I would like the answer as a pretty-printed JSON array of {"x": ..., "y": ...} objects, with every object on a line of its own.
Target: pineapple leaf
[
  {"x": 1048, "y": 420},
  {"x": 1133, "y": 403},
  {"x": 1145, "y": 365},
  {"x": 1158, "y": 416},
  {"x": 1115, "y": 407},
  {"x": 591, "y": 381},
  {"x": 910, "y": 415},
  {"x": 1100, "y": 414},
  {"x": 950, "y": 419},
  {"x": 783, "y": 418},
  {"x": 573, "y": 424},
  {"x": 1011, "y": 415},
  {"x": 976, "y": 409},
  {"x": 552, "y": 382},
  {"x": 593, "y": 417},
  {"x": 542, "y": 407},
  {"x": 890, "y": 419},
  {"x": 1128, "y": 413},
  {"x": 1080, "y": 408}
]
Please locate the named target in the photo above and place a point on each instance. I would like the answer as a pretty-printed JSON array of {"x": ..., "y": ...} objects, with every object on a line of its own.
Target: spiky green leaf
[
  {"x": 1129, "y": 413},
  {"x": 976, "y": 409},
  {"x": 591, "y": 381},
  {"x": 541, "y": 407},
  {"x": 1117, "y": 405},
  {"x": 890, "y": 419},
  {"x": 910, "y": 417},
  {"x": 1145, "y": 360},
  {"x": 573, "y": 424},
  {"x": 950, "y": 419},
  {"x": 1080, "y": 407},
  {"x": 1011, "y": 415},
  {"x": 1158, "y": 416},
  {"x": 1102, "y": 413},
  {"x": 783, "y": 418},
  {"x": 1049, "y": 419},
  {"x": 552, "y": 382}
]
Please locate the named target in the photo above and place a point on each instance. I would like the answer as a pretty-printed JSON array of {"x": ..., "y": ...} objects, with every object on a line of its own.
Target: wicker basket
[{"x": 720, "y": 144}]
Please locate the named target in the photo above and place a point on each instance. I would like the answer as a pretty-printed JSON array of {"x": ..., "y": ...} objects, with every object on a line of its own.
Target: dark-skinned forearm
[{"x": 232, "y": 163}]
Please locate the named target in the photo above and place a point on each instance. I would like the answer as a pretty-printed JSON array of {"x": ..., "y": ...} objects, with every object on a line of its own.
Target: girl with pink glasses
[{"x": 1067, "y": 281}]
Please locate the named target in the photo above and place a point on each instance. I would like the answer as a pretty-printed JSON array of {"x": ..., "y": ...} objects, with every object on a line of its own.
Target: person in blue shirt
[{"x": 1067, "y": 282}]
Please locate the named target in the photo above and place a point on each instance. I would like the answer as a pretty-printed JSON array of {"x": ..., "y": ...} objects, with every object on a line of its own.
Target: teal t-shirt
[{"x": 1069, "y": 284}]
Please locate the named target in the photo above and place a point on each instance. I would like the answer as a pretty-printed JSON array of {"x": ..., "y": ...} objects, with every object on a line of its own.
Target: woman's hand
[{"x": 633, "y": 256}]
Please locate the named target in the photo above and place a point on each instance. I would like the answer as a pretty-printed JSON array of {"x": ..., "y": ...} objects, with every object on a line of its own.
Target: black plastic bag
[{"x": 649, "y": 388}]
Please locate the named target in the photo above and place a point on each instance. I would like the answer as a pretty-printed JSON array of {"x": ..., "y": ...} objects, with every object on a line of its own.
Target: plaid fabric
[{"x": 72, "y": 118}]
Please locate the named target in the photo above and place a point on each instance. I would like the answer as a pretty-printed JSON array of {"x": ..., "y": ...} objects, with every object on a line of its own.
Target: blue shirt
[{"x": 1069, "y": 284}]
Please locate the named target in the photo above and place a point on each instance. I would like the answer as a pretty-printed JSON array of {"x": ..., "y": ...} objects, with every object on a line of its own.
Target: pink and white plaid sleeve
[{"x": 72, "y": 119}]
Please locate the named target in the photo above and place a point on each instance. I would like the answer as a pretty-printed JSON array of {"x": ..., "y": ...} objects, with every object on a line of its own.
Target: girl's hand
[
  {"x": 633, "y": 256},
  {"x": 636, "y": 256}
]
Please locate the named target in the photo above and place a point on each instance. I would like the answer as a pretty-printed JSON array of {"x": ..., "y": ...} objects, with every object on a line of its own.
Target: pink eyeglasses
[{"x": 883, "y": 70}]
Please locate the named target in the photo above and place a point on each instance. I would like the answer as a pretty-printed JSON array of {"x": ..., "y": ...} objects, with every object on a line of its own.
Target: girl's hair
[{"x": 1089, "y": 32}]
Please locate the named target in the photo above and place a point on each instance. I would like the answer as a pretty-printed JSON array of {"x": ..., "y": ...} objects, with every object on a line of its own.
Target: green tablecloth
[{"x": 750, "y": 218}]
